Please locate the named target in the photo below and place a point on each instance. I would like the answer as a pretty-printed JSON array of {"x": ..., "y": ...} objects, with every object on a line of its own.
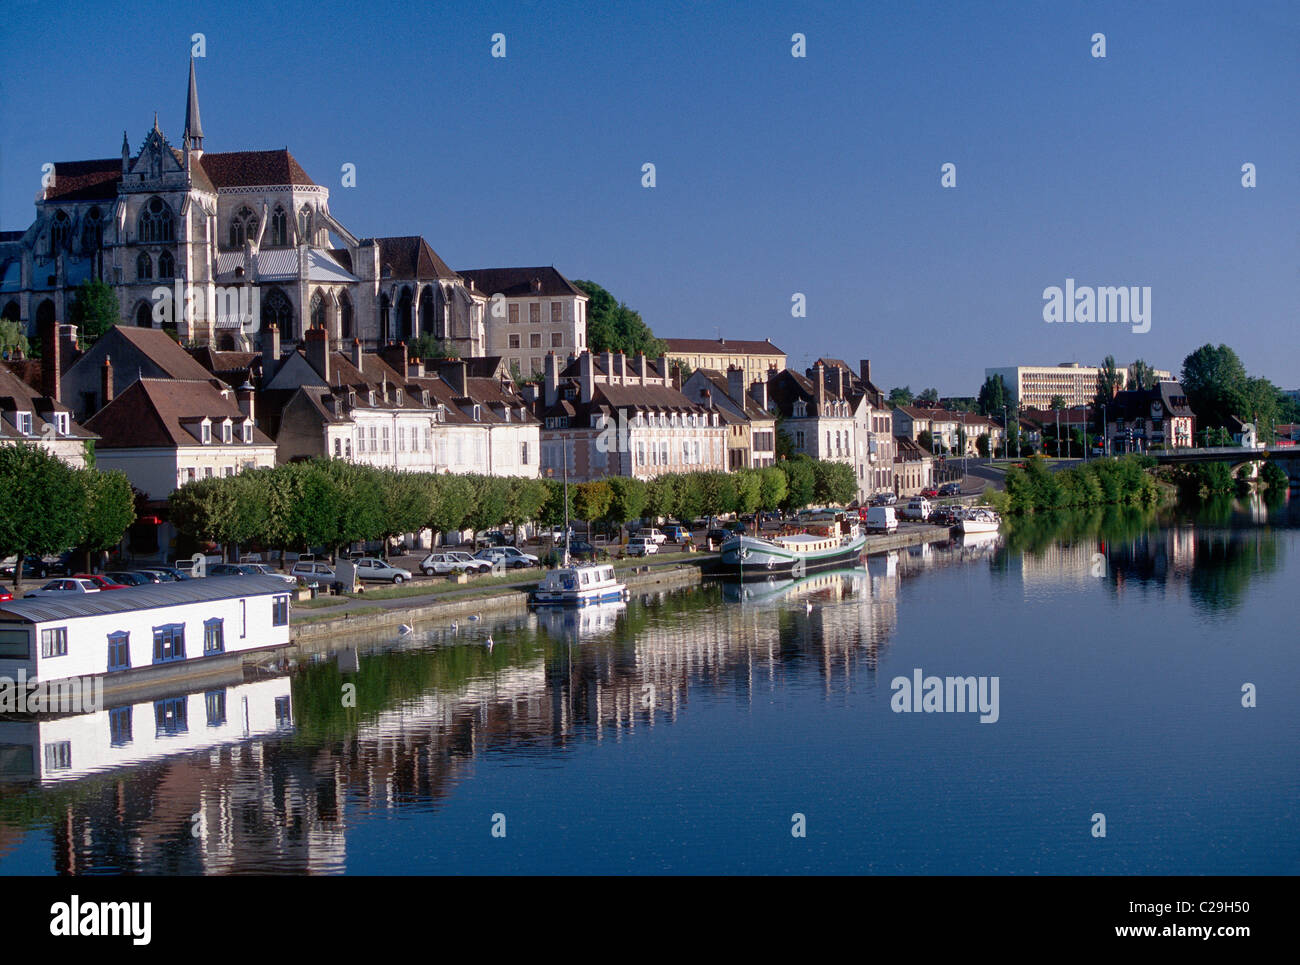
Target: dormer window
[
  {"x": 800, "y": 409},
  {"x": 226, "y": 434},
  {"x": 24, "y": 422},
  {"x": 247, "y": 432},
  {"x": 370, "y": 397},
  {"x": 206, "y": 433},
  {"x": 62, "y": 423},
  {"x": 478, "y": 414}
]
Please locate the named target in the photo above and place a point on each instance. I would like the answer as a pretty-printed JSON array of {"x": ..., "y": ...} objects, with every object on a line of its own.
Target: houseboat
[
  {"x": 143, "y": 632},
  {"x": 819, "y": 546},
  {"x": 580, "y": 585}
]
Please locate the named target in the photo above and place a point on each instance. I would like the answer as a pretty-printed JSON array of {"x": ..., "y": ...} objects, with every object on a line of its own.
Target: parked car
[
  {"x": 374, "y": 569},
  {"x": 641, "y": 546},
  {"x": 175, "y": 572},
  {"x": 930, "y": 492},
  {"x": 452, "y": 561},
  {"x": 132, "y": 578},
  {"x": 164, "y": 574},
  {"x": 884, "y": 499},
  {"x": 718, "y": 535},
  {"x": 917, "y": 508},
  {"x": 266, "y": 570},
  {"x": 944, "y": 516},
  {"x": 950, "y": 489},
  {"x": 251, "y": 558},
  {"x": 650, "y": 533},
  {"x": 514, "y": 559},
  {"x": 555, "y": 533},
  {"x": 492, "y": 538},
  {"x": 101, "y": 581},
  {"x": 882, "y": 519},
  {"x": 234, "y": 569},
  {"x": 736, "y": 526},
  {"x": 5, "y": 596},
  {"x": 69, "y": 586},
  {"x": 314, "y": 574},
  {"x": 676, "y": 534}
]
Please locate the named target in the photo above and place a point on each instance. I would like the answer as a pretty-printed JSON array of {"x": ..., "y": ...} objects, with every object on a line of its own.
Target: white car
[
  {"x": 653, "y": 535},
  {"x": 508, "y": 555},
  {"x": 374, "y": 569},
  {"x": 641, "y": 546},
  {"x": 63, "y": 588},
  {"x": 271, "y": 571},
  {"x": 452, "y": 561}
]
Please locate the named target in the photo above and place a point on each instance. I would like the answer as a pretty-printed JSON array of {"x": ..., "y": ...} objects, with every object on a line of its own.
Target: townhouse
[
  {"x": 609, "y": 415},
  {"x": 531, "y": 311},
  {"x": 35, "y": 419},
  {"x": 874, "y": 447},
  {"x": 815, "y": 414},
  {"x": 1159, "y": 418},
  {"x": 751, "y": 429}
]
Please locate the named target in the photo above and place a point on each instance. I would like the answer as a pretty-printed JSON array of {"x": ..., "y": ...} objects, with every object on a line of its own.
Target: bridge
[{"x": 1287, "y": 458}]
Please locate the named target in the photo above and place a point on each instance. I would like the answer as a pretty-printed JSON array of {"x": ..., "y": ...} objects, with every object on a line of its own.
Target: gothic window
[
  {"x": 317, "y": 310},
  {"x": 243, "y": 227},
  {"x": 92, "y": 231},
  {"x": 143, "y": 316},
  {"x": 166, "y": 265},
  {"x": 144, "y": 267},
  {"x": 156, "y": 223},
  {"x": 345, "y": 317},
  {"x": 279, "y": 228},
  {"x": 60, "y": 233},
  {"x": 276, "y": 310},
  {"x": 304, "y": 225},
  {"x": 404, "y": 333}
]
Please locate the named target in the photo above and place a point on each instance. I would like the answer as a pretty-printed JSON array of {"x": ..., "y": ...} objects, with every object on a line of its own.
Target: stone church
[{"x": 245, "y": 239}]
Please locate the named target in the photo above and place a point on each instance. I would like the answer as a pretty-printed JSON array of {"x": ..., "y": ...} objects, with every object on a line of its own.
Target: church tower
[{"x": 193, "y": 126}]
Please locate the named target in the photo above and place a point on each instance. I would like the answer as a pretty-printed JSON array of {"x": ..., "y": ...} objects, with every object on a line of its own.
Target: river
[{"x": 747, "y": 728}]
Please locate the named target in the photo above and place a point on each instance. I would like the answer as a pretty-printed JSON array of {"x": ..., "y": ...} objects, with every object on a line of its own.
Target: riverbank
[{"x": 358, "y": 616}]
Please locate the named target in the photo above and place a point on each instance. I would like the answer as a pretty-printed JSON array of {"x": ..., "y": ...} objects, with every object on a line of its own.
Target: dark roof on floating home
[
  {"x": 149, "y": 597},
  {"x": 521, "y": 281}
]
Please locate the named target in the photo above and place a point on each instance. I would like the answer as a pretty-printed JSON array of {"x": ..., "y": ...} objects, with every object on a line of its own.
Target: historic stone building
[{"x": 220, "y": 246}]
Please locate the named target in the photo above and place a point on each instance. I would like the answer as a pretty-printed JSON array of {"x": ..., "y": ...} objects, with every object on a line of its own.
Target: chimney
[
  {"x": 586, "y": 379},
  {"x": 839, "y": 381},
  {"x": 318, "y": 352},
  {"x": 244, "y": 396},
  {"x": 607, "y": 363},
  {"x": 736, "y": 384},
  {"x": 819, "y": 386},
  {"x": 270, "y": 353},
  {"x": 551, "y": 380},
  {"x": 864, "y": 368},
  {"x": 106, "y": 382},
  {"x": 356, "y": 353},
  {"x": 394, "y": 353},
  {"x": 758, "y": 392},
  {"x": 51, "y": 373},
  {"x": 415, "y": 369},
  {"x": 677, "y": 378},
  {"x": 453, "y": 373},
  {"x": 662, "y": 365},
  {"x": 640, "y": 367}
]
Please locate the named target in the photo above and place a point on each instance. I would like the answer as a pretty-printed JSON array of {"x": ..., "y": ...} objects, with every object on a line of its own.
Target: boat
[
  {"x": 838, "y": 542},
  {"x": 580, "y": 585},
  {"x": 980, "y": 520}
]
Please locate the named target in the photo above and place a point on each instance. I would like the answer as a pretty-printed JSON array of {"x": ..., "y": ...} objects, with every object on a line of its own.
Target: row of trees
[
  {"x": 1124, "y": 481},
  {"x": 333, "y": 504},
  {"x": 48, "y": 507}
]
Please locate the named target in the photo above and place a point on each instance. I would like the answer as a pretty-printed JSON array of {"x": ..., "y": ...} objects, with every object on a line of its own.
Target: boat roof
[{"x": 151, "y": 596}]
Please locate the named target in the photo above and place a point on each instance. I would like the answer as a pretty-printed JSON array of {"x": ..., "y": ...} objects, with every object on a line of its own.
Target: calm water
[{"x": 683, "y": 731}]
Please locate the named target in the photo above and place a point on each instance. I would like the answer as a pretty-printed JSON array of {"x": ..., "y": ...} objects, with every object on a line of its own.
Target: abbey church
[{"x": 237, "y": 230}]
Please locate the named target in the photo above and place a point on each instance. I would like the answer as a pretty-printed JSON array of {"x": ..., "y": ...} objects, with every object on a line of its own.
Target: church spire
[{"x": 193, "y": 126}]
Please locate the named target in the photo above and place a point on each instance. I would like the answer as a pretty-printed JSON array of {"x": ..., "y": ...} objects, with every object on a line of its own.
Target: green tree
[
  {"x": 749, "y": 485},
  {"x": 661, "y": 497},
  {"x": 613, "y": 326},
  {"x": 800, "y": 482},
  {"x": 203, "y": 510},
  {"x": 451, "y": 504},
  {"x": 94, "y": 309},
  {"x": 431, "y": 347},
  {"x": 772, "y": 488},
  {"x": 1058, "y": 402},
  {"x": 406, "y": 502},
  {"x": 1109, "y": 384},
  {"x": 490, "y": 496},
  {"x": 925, "y": 439},
  {"x": 591, "y": 501},
  {"x": 834, "y": 483},
  {"x": 110, "y": 509},
  {"x": 993, "y": 395},
  {"x": 42, "y": 505},
  {"x": 982, "y": 444},
  {"x": 1215, "y": 382},
  {"x": 525, "y": 499},
  {"x": 1141, "y": 375},
  {"x": 553, "y": 509},
  {"x": 627, "y": 500},
  {"x": 900, "y": 395},
  {"x": 12, "y": 338},
  {"x": 928, "y": 395}
]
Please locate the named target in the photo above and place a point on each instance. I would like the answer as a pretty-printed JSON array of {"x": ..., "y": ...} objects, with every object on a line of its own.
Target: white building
[{"x": 530, "y": 311}]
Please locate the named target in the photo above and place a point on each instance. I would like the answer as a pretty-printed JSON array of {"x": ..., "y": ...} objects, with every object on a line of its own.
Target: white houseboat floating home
[
  {"x": 580, "y": 586},
  {"x": 143, "y": 630}
]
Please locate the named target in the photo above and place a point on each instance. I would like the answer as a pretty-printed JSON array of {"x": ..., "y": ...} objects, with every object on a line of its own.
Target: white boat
[
  {"x": 837, "y": 543},
  {"x": 980, "y": 520},
  {"x": 580, "y": 585}
]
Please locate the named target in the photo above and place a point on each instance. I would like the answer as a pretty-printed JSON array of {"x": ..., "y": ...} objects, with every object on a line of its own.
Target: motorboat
[{"x": 580, "y": 585}]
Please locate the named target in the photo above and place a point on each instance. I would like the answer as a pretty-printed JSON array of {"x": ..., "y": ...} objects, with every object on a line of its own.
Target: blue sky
[{"x": 775, "y": 175}]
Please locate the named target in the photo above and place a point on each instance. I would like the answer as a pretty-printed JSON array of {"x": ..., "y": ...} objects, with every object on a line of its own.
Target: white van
[
  {"x": 917, "y": 508},
  {"x": 881, "y": 519}
]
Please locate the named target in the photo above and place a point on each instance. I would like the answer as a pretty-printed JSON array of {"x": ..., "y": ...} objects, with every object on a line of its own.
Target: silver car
[{"x": 374, "y": 569}]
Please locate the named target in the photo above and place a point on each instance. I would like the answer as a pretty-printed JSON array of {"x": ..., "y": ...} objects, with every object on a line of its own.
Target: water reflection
[{"x": 276, "y": 772}]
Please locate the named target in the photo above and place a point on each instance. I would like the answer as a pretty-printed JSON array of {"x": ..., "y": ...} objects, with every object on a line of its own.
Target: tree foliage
[
  {"x": 42, "y": 504},
  {"x": 613, "y": 326},
  {"x": 94, "y": 309}
]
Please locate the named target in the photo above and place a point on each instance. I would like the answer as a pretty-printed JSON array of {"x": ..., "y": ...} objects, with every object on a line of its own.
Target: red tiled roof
[
  {"x": 149, "y": 413},
  {"x": 519, "y": 281},
  {"x": 719, "y": 346},
  {"x": 85, "y": 180},
  {"x": 241, "y": 169},
  {"x": 411, "y": 257}
]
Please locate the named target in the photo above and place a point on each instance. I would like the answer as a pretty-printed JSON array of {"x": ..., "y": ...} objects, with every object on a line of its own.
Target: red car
[
  {"x": 930, "y": 493},
  {"x": 103, "y": 582},
  {"x": 5, "y": 596}
]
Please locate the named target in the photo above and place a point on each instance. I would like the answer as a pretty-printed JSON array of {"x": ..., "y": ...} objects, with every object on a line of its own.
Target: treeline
[
  {"x": 48, "y": 507},
  {"x": 1122, "y": 482},
  {"x": 330, "y": 503}
]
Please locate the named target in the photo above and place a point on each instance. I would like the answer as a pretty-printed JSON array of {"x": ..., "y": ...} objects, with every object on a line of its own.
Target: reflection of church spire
[{"x": 193, "y": 126}]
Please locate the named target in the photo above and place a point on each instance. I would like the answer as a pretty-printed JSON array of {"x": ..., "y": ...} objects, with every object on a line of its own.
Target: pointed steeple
[{"x": 193, "y": 126}]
